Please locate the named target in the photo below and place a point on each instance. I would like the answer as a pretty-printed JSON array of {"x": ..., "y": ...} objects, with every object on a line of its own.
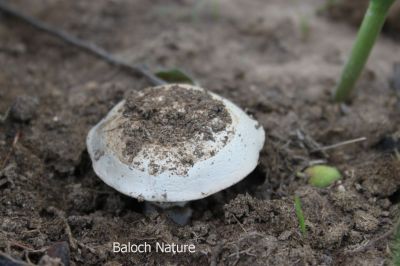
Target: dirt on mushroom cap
[{"x": 172, "y": 126}]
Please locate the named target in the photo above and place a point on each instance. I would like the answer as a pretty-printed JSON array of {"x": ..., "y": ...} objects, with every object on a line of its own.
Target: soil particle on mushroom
[
  {"x": 174, "y": 123},
  {"x": 169, "y": 117}
]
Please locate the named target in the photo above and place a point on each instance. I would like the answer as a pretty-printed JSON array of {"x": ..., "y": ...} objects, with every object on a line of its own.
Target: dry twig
[
  {"x": 240, "y": 224},
  {"x": 15, "y": 141},
  {"x": 342, "y": 143}
]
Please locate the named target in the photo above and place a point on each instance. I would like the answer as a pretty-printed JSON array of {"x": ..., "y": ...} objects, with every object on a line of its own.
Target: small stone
[
  {"x": 24, "y": 108},
  {"x": 341, "y": 188}
]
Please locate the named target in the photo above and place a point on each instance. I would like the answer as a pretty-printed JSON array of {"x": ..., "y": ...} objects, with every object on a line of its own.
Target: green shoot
[
  {"x": 300, "y": 215},
  {"x": 367, "y": 35},
  {"x": 304, "y": 28}
]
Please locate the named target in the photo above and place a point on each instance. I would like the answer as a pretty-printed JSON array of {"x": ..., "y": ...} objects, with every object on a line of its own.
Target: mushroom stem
[
  {"x": 178, "y": 212},
  {"x": 168, "y": 205}
]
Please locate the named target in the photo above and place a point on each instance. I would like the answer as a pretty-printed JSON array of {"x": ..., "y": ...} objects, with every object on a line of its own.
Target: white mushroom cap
[{"x": 229, "y": 157}]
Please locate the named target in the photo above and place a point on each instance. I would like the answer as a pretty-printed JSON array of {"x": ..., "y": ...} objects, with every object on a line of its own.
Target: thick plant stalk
[{"x": 369, "y": 31}]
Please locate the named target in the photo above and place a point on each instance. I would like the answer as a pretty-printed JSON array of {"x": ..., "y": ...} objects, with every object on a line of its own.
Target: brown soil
[
  {"x": 260, "y": 55},
  {"x": 353, "y": 12}
]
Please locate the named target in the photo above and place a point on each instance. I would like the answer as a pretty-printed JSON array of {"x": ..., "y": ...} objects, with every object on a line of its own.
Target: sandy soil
[{"x": 278, "y": 60}]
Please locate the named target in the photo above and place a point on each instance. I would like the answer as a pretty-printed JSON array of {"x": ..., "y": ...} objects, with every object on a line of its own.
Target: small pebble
[{"x": 341, "y": 188}]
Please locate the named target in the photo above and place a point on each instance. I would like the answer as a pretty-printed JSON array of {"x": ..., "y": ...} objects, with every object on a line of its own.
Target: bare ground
[{"x": 278, "y": 60}]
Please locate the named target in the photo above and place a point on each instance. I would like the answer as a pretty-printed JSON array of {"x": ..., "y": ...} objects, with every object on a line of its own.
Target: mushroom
[{"x": 173, "y": 143}]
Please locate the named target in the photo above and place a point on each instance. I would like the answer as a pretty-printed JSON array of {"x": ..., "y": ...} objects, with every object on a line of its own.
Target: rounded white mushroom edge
[{"x": 235, "y": 155}]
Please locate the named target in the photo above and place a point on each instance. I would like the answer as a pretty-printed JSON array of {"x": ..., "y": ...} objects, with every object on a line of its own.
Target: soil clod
[{"x": 24, "y": 108}]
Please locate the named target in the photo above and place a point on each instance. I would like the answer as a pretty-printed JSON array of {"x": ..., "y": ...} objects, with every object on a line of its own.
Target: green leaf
[
  {"x": 175, "y": 75},
  {"x": 322, "y": 175},
  {"x": 300, "y": 215}
]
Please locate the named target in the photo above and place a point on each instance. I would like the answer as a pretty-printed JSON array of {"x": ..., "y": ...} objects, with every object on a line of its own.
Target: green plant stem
[{"x": 369, "y": 31}]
